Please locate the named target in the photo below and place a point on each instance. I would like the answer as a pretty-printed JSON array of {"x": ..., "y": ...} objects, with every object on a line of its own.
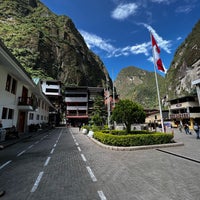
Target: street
[{"x": 65, "y": 164}]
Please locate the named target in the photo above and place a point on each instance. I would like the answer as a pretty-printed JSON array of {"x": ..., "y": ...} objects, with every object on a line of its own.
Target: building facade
[
  {"x": 185, "y": 110},
  {"x": 79, "y": 103},
  {"x": 21, "y": 102},
  {"x": 52, "y": 89}
]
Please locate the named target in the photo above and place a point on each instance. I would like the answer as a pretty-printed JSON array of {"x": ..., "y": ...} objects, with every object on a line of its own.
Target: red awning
[{"x": 77, "y": 117}]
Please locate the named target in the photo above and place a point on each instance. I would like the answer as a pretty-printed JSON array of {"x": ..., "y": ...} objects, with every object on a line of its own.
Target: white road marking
[
  {"x": 52, "y": 151},
  {"x": 47, "y": 161},
  {"x": 54, "y": 145},
  {"x": 34, "y": 188},
  {"x": 79, "y": 148},
  {"x": 76, "y": 143},
  {"x": 30, "y": 146},
  {"x": 101, "y": 195},
  {"x": 91, "y": 174},
  {"x": 83, "y": 157},
  {"x": 2, "y": 166},
  {"x": 19, "y": 154}
]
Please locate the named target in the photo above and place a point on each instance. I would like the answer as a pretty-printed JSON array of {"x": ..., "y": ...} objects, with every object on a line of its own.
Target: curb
[{"x": 134, "y": 148}]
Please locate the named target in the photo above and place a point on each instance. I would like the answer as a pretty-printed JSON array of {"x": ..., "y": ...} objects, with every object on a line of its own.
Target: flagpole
[
  {"x": 113, "y": 90},
  {"x": 158, "y": 93}
]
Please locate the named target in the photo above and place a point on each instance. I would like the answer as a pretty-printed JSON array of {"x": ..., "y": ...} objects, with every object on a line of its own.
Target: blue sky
[{"x": 118, "y": 30}]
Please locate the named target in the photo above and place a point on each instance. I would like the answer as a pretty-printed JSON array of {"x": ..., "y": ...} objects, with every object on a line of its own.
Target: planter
[
  {"x": 90, "y": 134},
  {"x": 84, "y": 131}
]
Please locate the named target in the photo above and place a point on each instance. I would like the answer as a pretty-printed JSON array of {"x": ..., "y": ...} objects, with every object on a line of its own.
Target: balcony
[
  {"x": 76, "y": 99},
  {"x": 77, "y": 108},
  {"x": 26, "y": 103}
]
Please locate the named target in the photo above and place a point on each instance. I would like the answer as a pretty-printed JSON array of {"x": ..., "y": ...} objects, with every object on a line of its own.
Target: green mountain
[
  {"x": 47, "y": 45},
  {"x": 139, "y": 85}
]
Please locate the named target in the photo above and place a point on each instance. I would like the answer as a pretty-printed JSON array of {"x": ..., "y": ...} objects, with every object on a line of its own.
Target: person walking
[
  {"x": 180, "y": 127},
  {"x": 196, "y": 129},
  {"x": 186, "y": 128}
]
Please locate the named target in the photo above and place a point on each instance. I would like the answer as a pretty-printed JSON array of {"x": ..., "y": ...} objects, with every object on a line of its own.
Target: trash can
[{"x": 2, "y": 134}]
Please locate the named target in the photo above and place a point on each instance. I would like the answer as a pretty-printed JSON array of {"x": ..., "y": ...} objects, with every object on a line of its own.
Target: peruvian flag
[{"x": 156, "y": 55}]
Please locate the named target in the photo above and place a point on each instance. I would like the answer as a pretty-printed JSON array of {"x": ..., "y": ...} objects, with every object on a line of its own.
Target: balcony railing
[
  {"x": 27, "y": 103},
  {"x": 77, "y": 107},
  {"x": 76, "y": 99}
]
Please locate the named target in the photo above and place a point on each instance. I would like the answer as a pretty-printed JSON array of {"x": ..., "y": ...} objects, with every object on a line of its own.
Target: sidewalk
[{"x": 9, "y": 142}]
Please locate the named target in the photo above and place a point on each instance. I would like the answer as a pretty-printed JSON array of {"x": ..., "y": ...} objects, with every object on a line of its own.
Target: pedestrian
[
  {"x": 180, "y": 127},
  {"x": 79, "y": 126},
  {"x": 196, "y": 129},
  {"x": 186, "y": 127}
]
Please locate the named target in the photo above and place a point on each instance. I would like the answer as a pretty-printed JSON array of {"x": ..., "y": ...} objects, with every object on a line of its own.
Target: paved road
[
  {"x": 46, "y": 167},
  {"x": 146, "y": 174},
  {"x": 65, "y": 164}
]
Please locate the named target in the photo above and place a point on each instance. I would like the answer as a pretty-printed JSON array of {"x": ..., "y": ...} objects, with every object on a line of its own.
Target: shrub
[{"x": 133, "y": 139}]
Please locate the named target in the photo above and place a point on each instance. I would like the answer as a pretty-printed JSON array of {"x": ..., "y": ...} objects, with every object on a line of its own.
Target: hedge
[
  {"x": 133, "y": 139},
  {"x": 122, "y": 132}
]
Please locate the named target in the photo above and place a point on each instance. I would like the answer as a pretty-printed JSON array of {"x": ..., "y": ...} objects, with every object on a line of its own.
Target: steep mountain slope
[
  {"x": 48, "y": 45},
  {"x": 140, "y": 86},
  {"x": 185, "y": 66}
]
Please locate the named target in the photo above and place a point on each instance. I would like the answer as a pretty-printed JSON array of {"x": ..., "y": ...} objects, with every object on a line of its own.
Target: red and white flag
[{"x": 156, "y": 55}]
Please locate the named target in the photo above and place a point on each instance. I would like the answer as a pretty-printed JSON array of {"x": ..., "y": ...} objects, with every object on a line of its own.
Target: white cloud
[
  {"x": 179, "y": 38},
  {"x": 164, "y": 44},
  {"x": 124, "y": 10},
  {"x": 161, "y": 1},
  {"x": 93, "y": 40},
  {"x": 184, "y": 9}
]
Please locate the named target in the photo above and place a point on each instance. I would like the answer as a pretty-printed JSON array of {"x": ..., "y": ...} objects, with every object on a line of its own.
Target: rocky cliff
[
  {"x": 47, "y": 45},
  {"x": 185, "y": 66}
]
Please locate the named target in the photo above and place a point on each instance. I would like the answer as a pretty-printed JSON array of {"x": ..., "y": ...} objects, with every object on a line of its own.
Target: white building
[
  {"x": 197, "y": 84},
  {"x": 21, "y": 101}
]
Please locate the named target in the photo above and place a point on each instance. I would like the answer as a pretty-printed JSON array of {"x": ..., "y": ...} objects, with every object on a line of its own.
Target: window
[
  {"x": 38, "y": 117},
  {"x": 8, "y": 82},
  {"x": 31, "y": 116},
  {"x": 14, "y": 86},
  {"x": 4, "y": 113},
  {"x": 11, "y": 84},
  {"x": 52, "y": 90},
  {"x": 10, "y": 113}
]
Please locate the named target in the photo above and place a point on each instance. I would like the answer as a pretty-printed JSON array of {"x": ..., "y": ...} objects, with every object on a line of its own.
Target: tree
[
  {"x": 128, "y": 112},
  {"x": 99, "y": 113}
]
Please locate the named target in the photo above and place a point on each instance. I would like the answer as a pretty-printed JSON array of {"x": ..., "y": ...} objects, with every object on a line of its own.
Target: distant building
[
  {"x": 197, "y": 84},
  {"x": 79, "y": 103},
  {"x": 52, "y": 89}
]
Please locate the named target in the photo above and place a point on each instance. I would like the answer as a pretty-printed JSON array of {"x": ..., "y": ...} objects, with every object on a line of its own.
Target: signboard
[{"x": 180, "y": 116}]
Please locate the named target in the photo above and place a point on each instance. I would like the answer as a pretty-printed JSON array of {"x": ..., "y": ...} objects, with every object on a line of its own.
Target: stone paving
[
  {"x": 146, "y": 174},
  {"x": 169, "y": 173}
]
